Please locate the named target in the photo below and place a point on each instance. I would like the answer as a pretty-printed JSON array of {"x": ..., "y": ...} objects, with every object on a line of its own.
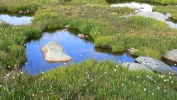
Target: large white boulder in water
[
  {"x": 53, "y": 52},
  {"x": 155, "y": 65}
]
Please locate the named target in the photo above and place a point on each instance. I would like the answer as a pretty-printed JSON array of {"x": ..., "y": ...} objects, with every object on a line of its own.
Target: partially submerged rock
[
  {"x": 155, "y": 65},
  {"x": 171, "y": 55},
  {"x": 134, "y": 66},
  {"x": 53, "y": 52},
  {"x": 81, "y": 35}
]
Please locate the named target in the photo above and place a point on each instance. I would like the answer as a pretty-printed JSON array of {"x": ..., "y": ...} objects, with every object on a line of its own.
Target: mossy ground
[{"x": 89, "y": 79}]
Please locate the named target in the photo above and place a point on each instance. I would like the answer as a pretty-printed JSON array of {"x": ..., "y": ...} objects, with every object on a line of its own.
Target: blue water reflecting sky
[
  {"x": 77, "y": 48},
  {"x": 14, "y": 20}
]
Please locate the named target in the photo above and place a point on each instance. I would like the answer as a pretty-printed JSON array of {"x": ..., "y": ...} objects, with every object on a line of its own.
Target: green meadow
[{"x": 89, "y": 79}]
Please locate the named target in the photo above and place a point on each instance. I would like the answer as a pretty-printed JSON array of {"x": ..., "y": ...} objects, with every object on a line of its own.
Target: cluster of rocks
[
  {"x": 24, "y": 12},
  {"x": 82, "y": 36},
  {"x": 149, "y": 64}
]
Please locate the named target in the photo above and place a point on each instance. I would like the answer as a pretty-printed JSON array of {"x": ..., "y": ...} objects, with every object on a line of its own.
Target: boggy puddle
[{"x": 79, "y": 49}]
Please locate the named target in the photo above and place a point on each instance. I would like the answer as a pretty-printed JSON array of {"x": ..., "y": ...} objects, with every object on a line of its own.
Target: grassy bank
[
  {"x": 12, "y": 44},
  {"x": 89, "y": 80}
]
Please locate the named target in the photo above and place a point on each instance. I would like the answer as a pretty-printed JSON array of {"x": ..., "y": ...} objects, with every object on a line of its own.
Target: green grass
[
  {"x": 90, "y": 79},
  {"x": 12, "y": 44},
  {"x": 107, "y": 27}
]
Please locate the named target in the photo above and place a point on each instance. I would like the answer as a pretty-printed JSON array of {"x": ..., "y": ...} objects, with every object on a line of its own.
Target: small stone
[
  {"x": 20, "y": 12},
  {"x": 132, "y": 51},
  {"x": 81, "y": 35},
  {"x": 168, "y": 15},
  {"x": 141, "y": 7},
  {"x": 86, "y": 36},
  {"x": 67, "y": 26},
  {"x": 27, "y": 11},
  {"x": 171, "y": 55}
]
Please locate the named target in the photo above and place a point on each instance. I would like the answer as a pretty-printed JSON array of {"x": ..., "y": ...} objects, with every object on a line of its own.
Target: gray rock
[
  {"x": 27, "y": 11},
  {"x": 53, "y": 52},
  {"x": 81, "y": 35},
  {"x": 141, "y": 7},
  {"x": 134, "y": 66},
  {"x": 20, "y": 12},
  {"x": 155, "y": 15},
  {"x": 132, "y": 51},
  {"x": 171, "y": 55},
  {"x": 168, "y": 15},
  {"x": 155, "y": 65}
]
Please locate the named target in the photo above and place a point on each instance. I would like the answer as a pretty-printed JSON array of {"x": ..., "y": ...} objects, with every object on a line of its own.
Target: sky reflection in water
[
  {"x": 77, "y": 48},
  {"x": 14, "y": 20}
]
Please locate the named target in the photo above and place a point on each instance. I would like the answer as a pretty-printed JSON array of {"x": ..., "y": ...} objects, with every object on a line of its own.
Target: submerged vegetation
[{"x": 89, "y": 79}]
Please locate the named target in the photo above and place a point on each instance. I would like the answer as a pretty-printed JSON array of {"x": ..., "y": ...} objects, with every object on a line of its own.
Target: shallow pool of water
[
  {"x": 16, "y": 19},
  {"x": 79, "y": 49}
]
